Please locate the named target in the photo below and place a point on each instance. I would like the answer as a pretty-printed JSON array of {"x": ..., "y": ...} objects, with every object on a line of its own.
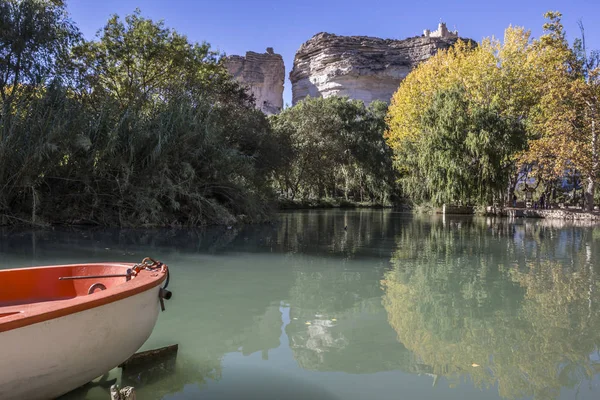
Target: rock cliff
[
  {"x": 263, "y": 74},
  {"x": 361, "y": 67}
]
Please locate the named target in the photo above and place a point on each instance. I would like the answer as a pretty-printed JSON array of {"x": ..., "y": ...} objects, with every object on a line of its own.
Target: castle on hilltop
[{"x": 441, "y": 32}]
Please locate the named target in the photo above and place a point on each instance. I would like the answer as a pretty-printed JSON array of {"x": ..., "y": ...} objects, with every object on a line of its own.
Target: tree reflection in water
[
  {"x": 525, "y": 319},
  {"x": 510, "y": 305}
]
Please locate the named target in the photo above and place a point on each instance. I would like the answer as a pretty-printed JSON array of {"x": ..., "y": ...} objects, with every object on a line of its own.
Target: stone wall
[{"x": 563, "y": 214}]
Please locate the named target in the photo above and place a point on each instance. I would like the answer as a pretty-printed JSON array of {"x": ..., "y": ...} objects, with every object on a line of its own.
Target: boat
[{"x": 63, "y": 326}]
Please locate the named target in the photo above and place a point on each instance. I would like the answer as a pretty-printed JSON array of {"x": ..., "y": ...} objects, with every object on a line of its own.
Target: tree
[
  {"x": 464, "y": 154},
  {"x": 566, "y": 132},
  {"x": 501, "y": 86},
  {"x": 336, "y": 147},
  {"x": 35, "y": 39},
  {"x": 143, "y": 128},
  {"x": 141, "y": 60}
]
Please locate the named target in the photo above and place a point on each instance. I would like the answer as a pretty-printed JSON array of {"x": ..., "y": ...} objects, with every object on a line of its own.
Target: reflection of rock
[
  {"x": 320, "y": 338},
  {"x": 264, "y": 333},
  {"x": 317, "y": 338},
  {"x": 359, "y": 341},
  {"x": 361, "y": 67},
  {"x": 263, "y": 74}
]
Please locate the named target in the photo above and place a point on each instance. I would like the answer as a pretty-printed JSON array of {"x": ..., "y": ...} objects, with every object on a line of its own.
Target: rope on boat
[
  {"x": 148, "y": 264},
  {"x": 151, "y": 264}
]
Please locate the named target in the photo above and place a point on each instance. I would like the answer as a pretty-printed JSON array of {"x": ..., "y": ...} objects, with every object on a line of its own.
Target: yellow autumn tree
[
  {"x": 565, "y": 124},
  {"x": 503, "y": 78}
]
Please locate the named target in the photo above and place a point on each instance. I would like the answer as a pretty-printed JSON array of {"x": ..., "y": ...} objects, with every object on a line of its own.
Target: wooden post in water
[
  {"x": 147, "y": 357},
  {"x": 140, "y": 360}
]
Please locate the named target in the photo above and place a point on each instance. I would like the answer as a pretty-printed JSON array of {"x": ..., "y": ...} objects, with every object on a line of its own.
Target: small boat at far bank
[{"x": 63, "y": 326}]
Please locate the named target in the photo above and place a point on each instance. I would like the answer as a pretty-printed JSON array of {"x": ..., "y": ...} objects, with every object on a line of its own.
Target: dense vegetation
[
  {"x": 335, "y": 148},
  {"x": 142, "y": 127},
  {"x": 472, "y": 122}
]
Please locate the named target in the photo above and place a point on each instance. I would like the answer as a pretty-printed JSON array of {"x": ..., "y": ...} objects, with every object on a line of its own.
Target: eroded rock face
[
  {"x": 361, "y": 67},
  {"x": 263, "y": 74}
]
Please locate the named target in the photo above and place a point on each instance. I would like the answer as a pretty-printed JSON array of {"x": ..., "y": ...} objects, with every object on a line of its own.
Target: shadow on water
[
  {"x": 185, "y": 379},
  {"x": 324, "y": 303},
  {"x": 360, "y": 233}
]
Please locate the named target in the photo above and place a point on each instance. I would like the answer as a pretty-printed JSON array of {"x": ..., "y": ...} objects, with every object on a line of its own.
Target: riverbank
[
  {"x": 285, "y": 204},
  {"x": 565, "y": 214},
  {"x": 559, "y": 213},
  {"x": 568, "y": 214}
]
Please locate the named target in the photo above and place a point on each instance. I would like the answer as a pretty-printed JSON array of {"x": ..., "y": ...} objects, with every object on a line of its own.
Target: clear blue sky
[{"x": 236, "y": 26}]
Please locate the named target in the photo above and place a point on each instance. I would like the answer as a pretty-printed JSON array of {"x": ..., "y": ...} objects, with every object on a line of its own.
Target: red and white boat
[{"x": 63, "y": 326}]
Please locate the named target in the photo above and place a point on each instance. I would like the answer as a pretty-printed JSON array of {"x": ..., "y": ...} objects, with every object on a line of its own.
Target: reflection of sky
[{"x": 561, "y": 244}]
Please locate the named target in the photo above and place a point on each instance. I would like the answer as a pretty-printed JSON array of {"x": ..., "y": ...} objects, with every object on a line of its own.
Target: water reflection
[
  {"x": 357, "y": 304},
  {"x": 338, "y": 323},
  {"x": 501, "y": 307}
]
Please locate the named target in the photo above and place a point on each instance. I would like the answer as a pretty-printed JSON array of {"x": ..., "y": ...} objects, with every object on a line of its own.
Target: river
[{"x": 358, "y": 304}]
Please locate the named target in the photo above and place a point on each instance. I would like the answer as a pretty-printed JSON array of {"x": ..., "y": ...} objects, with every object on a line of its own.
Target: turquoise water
[{"x": 392, "y": 307}]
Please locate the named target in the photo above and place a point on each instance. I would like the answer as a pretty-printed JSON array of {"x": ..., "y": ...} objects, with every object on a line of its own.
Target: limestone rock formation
[
  {"x": 263, "y": 75},
  {"x": 361, "y": 67}
]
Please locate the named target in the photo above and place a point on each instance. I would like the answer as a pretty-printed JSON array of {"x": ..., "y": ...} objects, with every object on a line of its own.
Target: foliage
[
  {"x": 540, "y": 90},
  {"x": 145, "y": 128},
  {"x": 464, "y": 152},
  {"x": 566, "y": 125},
  {"x": 35, "y": 38},
  {"x": 334, "y": 147}
]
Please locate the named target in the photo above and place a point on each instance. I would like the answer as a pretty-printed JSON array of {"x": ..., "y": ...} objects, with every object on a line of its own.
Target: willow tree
[
  {"x": 464, "y": 153},
  {"x": 498, "y": 79}
]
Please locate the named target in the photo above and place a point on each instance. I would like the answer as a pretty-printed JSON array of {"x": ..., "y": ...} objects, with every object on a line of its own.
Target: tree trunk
[
  {"x": 510, "y": 190},
  {"x": 591, "y": 180},
  {"x": 589, "y": 194}
]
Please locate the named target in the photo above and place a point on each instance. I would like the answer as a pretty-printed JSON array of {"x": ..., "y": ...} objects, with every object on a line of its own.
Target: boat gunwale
[{"x": 41, "y": 312}]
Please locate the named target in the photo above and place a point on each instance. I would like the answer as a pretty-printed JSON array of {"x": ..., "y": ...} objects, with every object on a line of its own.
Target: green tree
[
  {"x": 336, "y": 147},
  {"x": 144, "y": 128},
  {"x": 35, "y": 39},
  {"x": 465, "y": 151}
]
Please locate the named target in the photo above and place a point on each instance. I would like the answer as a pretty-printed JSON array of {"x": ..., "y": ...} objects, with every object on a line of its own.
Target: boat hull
[{"x": 50, "y": 358}]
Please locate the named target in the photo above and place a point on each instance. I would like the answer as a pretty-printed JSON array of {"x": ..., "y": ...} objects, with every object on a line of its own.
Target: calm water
[{"x": 394, "y": 307}]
